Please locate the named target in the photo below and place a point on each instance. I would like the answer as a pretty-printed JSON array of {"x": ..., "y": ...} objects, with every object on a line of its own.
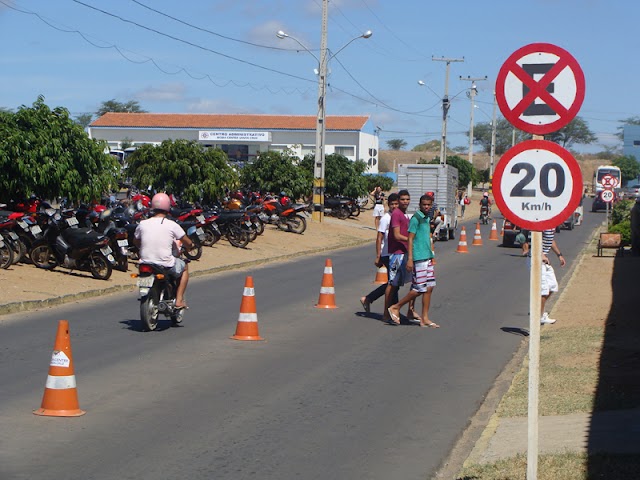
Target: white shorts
[
  {"x": 378, "y": 210},
  {"x": 423, "y": 277},
  {"x": 548, "y": 283}
]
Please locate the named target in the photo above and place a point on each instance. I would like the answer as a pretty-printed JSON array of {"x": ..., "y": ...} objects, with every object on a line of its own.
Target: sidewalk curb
[
  {"x": 29, "y": 305},
  {"x": 482, "y": 425}
]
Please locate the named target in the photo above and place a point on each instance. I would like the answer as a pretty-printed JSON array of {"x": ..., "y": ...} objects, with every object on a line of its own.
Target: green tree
[
  {"x": 428, "y": 146},
  {"x": 372, "y": 181},
  {"x": 126, "y": 142},
  {"x": 183, "y": 168},
  {"x": 575, "y": 132},
  {"x": 504, "y": 135},
  {"x": 84, "y": 120},
  {"x": 396, "y": 144},
  {"x": 342, "y": 176},
  {"x": 466, "y": 171},
  {"x": 629, "y": 167},
  {"x": 132, "y": 106},
  {"x": 44, "y": 152},
  {"x": 277, "y": 172}
]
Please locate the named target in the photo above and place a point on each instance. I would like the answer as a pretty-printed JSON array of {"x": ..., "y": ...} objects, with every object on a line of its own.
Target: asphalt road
[{"x": 328, "y": 395}]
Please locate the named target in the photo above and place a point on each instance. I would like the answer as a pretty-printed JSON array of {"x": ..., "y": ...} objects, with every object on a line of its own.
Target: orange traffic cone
[
  {"x": 382, "y": 276},
  {"x": 247, "y": 328},
  {"x": 462, "y": 244},
  {"x": 502, "y": 230},
  {"x": 477, "y": 237},
  {"x": 60, "y": 397},
  {"x": 327, "y": 297},
  {"x": 494, "y": 232}
]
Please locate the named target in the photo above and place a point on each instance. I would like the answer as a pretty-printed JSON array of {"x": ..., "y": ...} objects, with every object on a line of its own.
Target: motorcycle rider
[
  {"x": 485, "y": 201},
  {"x": 156, "y": 238}
]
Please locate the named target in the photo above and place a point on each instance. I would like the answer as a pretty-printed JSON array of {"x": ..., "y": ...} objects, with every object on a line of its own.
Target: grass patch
[
  {"x": 569, "y": 374},
  {"x": 567, "y": 466}
]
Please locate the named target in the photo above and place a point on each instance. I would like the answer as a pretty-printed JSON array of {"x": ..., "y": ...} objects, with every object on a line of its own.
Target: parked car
[
  {"x": 630, "y": 191},
  {"x": 511, "y": 230}
]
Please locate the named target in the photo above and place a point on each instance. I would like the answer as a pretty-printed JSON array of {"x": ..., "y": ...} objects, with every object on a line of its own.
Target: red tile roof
[{"x": 213, "y": 121}]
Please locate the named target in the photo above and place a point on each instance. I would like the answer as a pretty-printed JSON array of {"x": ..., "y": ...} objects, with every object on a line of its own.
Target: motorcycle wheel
[
  {"x": 100, "y": 267},
  {"x": 298, "y": 224},
  {"x": 6, "y": 256},
  {"x": 28, "y": 245},
  {"x": 251, "y": 232},
  {"x": 42, "y": 257},
  {"x": 237, "y": 237},
  {"x": 343, "y": 213},
  {"x": 149, "y": 310},
  {"x": 196, "y": 251},
  {"x": 122, "y": 263},
  {"x": 16, "y": 246},
  {"x": 283, "y": 224},
  {"x": 259, "y": 225},
  {"x": 177, "y": 317},
  {"x": 210, "y": 236},
  {"x": 355, "y": 210}
]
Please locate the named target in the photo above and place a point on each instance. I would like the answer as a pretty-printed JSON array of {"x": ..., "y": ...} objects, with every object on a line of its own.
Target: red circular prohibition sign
[
  {"x": 576, "y": 183},
  {"x": 538, "y": 89}
]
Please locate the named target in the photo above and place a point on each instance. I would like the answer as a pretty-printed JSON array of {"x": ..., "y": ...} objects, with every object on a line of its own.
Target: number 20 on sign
[{"x": 538, "y": 185}]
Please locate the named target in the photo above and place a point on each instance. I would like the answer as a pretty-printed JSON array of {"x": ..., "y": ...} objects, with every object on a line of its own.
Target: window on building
[
  {"x": 236, "y": 153},
  {"x": 636, "y": 143},
  {"x": 346, "y": 151}
]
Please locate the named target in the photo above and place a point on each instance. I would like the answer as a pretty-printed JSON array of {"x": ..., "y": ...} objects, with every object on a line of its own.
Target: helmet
[
  {"x": 485, "y": 194},
  {"x": 99, "y": 208},
  {"x": 430, "y": 194},
  {"x": 160, "y": 201}
]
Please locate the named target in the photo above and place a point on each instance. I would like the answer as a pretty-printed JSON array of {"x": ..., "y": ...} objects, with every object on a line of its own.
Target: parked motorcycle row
[{"x": 98, "y": 239}]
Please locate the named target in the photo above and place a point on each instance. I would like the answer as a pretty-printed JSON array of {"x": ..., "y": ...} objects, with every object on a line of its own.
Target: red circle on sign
[
  {"x": 538, "y": 89},
  {"x": 576, "y": 182}
]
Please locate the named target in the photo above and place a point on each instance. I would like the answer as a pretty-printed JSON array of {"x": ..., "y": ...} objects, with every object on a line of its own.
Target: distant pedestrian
[
  {"x": 420, "y": 264},
  {"x": 549, "y": 282},
  {"x": 382, "y": 258},
  {"x": 464, "y": 201},
  {"x": 378, "y": 207}
]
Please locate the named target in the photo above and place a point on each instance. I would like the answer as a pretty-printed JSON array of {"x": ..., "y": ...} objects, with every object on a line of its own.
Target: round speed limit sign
[
  {"x": 607, "y": 196},
  {"x": 537, "y": 185}
]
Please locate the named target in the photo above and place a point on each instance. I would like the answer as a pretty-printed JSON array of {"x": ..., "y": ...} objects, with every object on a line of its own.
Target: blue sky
[{"x": 193, "y": 72}]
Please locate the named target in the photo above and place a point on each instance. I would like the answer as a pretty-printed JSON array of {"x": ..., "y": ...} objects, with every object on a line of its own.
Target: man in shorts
[
  {"x": 420, "y": 264},
  {"x": 397, "y": 248}
]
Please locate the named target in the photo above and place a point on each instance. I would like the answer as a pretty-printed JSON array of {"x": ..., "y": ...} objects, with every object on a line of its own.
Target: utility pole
[
  {"x": 493, "y": 142},
  {"x": 445, "y": 106},
  {"x": 472, "y": 95},
  {"x": 318, "y": 168}
]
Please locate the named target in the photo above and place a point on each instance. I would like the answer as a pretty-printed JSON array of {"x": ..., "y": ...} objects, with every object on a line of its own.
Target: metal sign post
[{"x": 534, "y": 354}]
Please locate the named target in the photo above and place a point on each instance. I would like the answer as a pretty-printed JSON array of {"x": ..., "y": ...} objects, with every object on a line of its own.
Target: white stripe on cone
[
  {"x": 248, "y": 317},
  {"x": 327, "y": 290},
  {"x": 328, "y": 269},
  {"x": 249, "y": 292},
  {"x": 62, "y": 382}
]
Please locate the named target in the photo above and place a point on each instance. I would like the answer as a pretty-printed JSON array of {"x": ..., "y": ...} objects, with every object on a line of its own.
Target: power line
[
  {"x": 172, "y": 37},
  {"x": 147, "y": 59},
  {"x": 209, "y": 31}
]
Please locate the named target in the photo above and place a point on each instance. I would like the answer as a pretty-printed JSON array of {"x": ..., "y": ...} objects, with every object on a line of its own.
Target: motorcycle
[
  {"x": 337, "y": 207},
  {"x": 484, "y": 214},
  {"x": 285, "y": 216},
  {"x": 67, "y": 245},
  {"x": 157, "y": 295},
  {"x": 118, "y": 237}
]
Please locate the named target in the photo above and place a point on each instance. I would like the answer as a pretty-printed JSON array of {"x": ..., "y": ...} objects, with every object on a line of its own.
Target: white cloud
[
  {"x": 170, "y": 92},
  {"x": 265, "y": 34}
]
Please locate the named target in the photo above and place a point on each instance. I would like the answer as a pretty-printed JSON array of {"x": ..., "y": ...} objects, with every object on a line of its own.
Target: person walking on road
[
  {"x": 549, "y": 283},
  {"x": 382, "y": 257},
  {"x": 156, "y": 237},
  {"x": 420, "y": 264},
  {"x": 398, "y": 238},
  {"x": 464, "y": 201},
  {"x": 378, "y": 207}
]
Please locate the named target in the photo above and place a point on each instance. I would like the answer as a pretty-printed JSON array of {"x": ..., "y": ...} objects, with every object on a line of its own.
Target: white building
[{"x": 243, "y": 136}]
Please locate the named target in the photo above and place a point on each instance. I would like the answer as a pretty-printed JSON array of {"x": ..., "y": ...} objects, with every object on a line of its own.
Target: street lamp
[{"x": 319, "y": 163}]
